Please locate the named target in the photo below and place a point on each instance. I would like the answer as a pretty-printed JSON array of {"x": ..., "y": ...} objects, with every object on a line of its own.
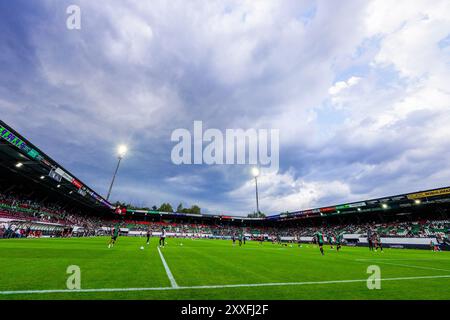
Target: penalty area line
[
  {"x": 173, "y": 283},
  {"x": 275, "y": 284}
]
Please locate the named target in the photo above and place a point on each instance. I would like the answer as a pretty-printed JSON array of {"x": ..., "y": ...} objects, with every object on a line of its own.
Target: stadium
[
  {"x": 224, "y": 158},
  {"x": 55, "y": 243}
]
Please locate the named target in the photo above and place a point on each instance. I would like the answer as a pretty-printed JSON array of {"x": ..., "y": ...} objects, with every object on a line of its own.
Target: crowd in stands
[
  {"x": 189, "y": 228},
  {"x": 14, "y": 231},
  {"x": 418, "y": 229},
  {"x": 28, "y": 213}
]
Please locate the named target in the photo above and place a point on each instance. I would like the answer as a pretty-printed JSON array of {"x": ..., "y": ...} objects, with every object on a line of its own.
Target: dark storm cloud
[{"x": 136, "y": 71}]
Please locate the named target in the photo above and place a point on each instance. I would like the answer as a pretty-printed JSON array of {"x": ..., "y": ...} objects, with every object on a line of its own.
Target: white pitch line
[
  {"x": 405, "y": 265},
  {"x": 169, "y": 273},
  {"x": 274, "y": 284}
]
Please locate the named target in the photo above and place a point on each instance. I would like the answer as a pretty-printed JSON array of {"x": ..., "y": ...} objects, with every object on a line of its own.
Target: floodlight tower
[
  {"x": 255, "y": 173},
  {"x": 121, "y": 151}
]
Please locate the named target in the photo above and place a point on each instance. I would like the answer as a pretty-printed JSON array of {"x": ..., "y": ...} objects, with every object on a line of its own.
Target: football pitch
[{"x": 214, "y": 269}]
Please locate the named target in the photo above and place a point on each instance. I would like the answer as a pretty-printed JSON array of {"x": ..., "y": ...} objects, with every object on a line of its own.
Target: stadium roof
[
  {"x": 18, "y": 156},
  {"x": 407, "y": 200},
  {"x": 403, "y": 201}
]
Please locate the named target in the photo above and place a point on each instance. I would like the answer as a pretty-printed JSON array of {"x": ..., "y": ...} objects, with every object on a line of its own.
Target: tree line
[
  {"x": 164, "y": 207},
  {"x": 167, "y": 207}
]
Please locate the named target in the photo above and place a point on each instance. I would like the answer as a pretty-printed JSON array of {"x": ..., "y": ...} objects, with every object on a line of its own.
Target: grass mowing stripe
[
  {"x": 401, "y": 259},
  {"x": 41, "y": 265},
  {"x": 169, "y": 273},
  {"x": 405, "y": 265},
  {"x": 217, "y": 286}
]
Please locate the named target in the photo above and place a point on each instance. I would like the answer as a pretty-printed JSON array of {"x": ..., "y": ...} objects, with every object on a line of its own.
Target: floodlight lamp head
[{"x": 122, "y": 150}]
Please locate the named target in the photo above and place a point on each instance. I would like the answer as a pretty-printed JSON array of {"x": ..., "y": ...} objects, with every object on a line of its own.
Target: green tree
[
  {"x": 165, "y": 207},
  {"x": 196, "y": 209},
  {"x": 256, "y": 215}
]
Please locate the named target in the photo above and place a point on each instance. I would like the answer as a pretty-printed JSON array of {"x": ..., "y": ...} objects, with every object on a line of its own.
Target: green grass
[{"x": 40, "y": 264}]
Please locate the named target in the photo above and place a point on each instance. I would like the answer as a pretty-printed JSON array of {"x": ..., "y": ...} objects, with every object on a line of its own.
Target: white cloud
[
  {"x": 131, "y": 42},
  {"x": 395, "y": 127},
  {"x": 342, "y": 85},
  {"x": 285, "y": 192},
  {"x": 137, "y": 70}
]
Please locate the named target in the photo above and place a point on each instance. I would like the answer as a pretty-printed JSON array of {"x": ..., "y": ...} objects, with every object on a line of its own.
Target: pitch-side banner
[
  {"x": 351, "y": 205},
  {"x": 20, "y": 144},
  {"x": 430, "y": 193},
  {"x": 63, "y": 174},
  {"x": 55, "y": 176}
]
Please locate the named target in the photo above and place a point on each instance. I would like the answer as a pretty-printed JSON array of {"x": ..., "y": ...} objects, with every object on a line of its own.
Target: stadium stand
[
  {"x": 22, "y": 216},
  {"x": 39, "y": 198}
]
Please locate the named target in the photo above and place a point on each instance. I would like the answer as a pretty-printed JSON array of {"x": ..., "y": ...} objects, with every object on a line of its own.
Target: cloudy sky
[{"x": 358, "y": 89}]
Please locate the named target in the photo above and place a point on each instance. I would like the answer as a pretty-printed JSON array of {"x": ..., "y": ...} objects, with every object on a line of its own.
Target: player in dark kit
[
  {"x": 319, "y": 238},
  {"x": 330, "y": 240},
  {"x": 148, "y": 236},
  {"x": 240, "y": 240},
  {"x": 162, "y": 239},
  {"x": 370, "y": 239},
  {"x": 114, "y": 234},
  {"x": 278, "y": 239},
  {"x": 338, "y": 241},
  {"x": 299, "y": 242},
  {"x": 378, "y": 243}
]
